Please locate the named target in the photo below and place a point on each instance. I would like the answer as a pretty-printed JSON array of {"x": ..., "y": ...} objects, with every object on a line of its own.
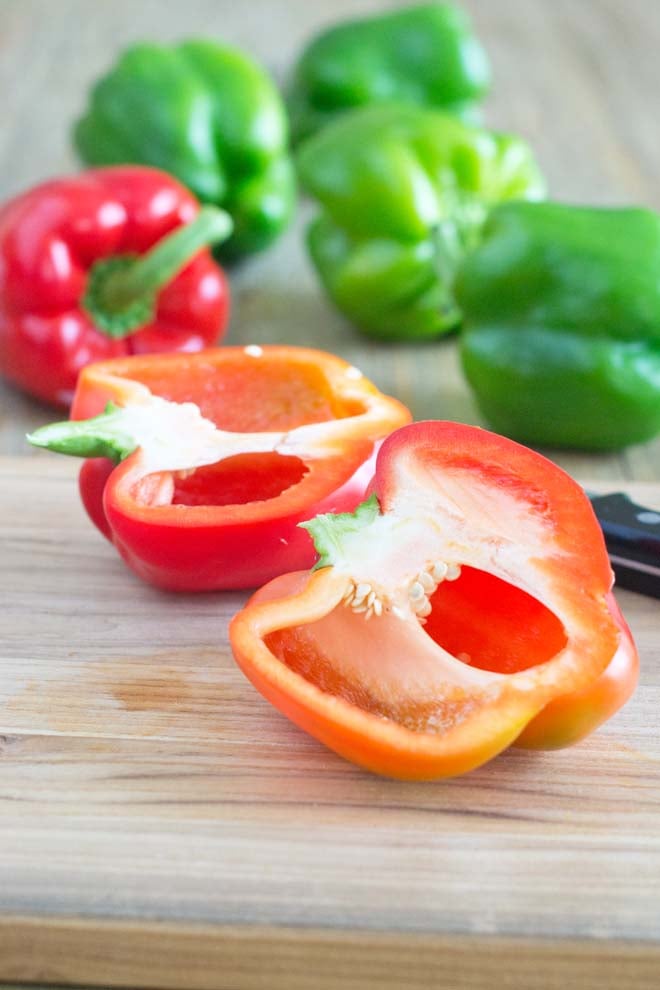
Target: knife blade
[{"x": 632, "y": 537}]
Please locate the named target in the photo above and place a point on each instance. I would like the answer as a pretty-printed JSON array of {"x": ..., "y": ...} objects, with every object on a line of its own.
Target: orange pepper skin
[
  {"x": 574, "y": 716},
  {"x": 395, "y": 697},
  {"x": 381, "y": 746},
  {"x": 394, "y": 752}
]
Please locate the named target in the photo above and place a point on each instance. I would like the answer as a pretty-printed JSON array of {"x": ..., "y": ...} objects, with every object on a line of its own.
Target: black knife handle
[{"x": 632, "y": 535}]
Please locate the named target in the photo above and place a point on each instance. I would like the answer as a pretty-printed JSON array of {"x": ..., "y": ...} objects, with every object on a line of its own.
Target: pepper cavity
[
  {"x": 200, "y": 466},
  {"x": 426, "y": 584},
  {"x": 506, "y": 634},
  {"x": 362, "y": 598}
]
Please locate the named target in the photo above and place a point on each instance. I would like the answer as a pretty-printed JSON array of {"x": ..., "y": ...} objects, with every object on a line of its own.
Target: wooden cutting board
[{"x": 161, "y": 825}]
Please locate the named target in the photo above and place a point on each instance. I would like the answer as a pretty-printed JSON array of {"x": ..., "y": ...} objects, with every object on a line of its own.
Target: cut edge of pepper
[
  {"x": 340, "y": 444},
  {"x": 361, "y": 736}
]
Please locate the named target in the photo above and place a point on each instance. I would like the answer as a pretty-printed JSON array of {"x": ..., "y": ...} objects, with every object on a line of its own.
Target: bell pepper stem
[
  {"x": 446, "y": 250},
  {"x": 453, "y": 238},
  {"x": 158, "y": 266},
  {"x": 328, "y": 531},
  {"x": 102, "y": 436},
  {"x": 447, "y": 253},
  {"x": 122, "y": 290}
]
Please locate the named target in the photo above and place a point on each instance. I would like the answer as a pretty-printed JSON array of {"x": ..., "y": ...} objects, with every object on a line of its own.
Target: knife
[{"x": 632, "y": 536}]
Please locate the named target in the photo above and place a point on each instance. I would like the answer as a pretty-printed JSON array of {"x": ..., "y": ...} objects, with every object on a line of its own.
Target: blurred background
[{"x": 579, "y": 80}]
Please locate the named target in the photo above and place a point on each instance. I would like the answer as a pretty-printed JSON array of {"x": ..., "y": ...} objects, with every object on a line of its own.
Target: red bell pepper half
[
  {"x": 463, "y": 607},
  {"x": 104, "y": 264},
  {"x": 203, "y": 465}
]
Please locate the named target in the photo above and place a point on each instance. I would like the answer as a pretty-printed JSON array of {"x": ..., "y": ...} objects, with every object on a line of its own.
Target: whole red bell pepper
[
  {"x": 203, "y": 465},
  {"x": 463, "y": 607},
  {"x": 103, "y": 264}
]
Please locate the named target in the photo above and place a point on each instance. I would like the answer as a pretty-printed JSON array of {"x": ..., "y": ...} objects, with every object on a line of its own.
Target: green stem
[
  {"x": 452, "y": 239},
  {"x": 446, "y": 251},
  {"x": 446, "y": 256},
  {"x": 122, "y": 291},
  {"x": 329, "y": 531},
  {"x": 158, "y": 266},
  {"x": 102, "y": 436}
]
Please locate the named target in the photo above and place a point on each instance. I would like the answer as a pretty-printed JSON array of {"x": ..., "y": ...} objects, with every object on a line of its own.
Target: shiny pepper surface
[
  {"x": 103, "y": 264},
  {"x": 464, "y": 607},
  {"x": 425, "y": 54},
  {"x": 403, "y": 193},
  {"x": 561, "y": 342},
  {"x": 200, "y": 467},
  {"x": 212, "y": 117}
]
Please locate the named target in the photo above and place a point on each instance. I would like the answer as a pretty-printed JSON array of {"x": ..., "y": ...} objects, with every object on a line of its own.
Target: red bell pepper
[
  {"x": 104, "y": 264},
  {"x": 463, "y": 607},
  {"x": 221, "y": 454}
]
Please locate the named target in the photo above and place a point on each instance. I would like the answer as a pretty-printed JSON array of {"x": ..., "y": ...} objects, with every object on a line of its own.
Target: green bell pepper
[
  {"x": 561, "y": 342},
  {"x": 425, "y": 55},
  {"x": 209, "y": 115},
  {"x": 404, "y": 192}
]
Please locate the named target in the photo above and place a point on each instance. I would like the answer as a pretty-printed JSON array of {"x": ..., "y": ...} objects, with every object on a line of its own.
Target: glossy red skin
[
  {"x": 236, "y": 528},
  {"x": 92, "y": 480},
  {"x": 242, "y": 554},
  {"x": 51, "y": 235}
]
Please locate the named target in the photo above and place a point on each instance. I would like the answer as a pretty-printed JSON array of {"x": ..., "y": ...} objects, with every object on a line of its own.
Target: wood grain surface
[
  {"x": 160, "y": 824},
  {"x": 183, "y": 956},
  {"x": 142, "y": 778}
]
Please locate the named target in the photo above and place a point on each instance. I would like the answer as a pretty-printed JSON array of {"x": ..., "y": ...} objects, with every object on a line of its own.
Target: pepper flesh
[
  {"x": 561, "y": 341},
  {"x": 403, "y": 194},
  {"x": 425, "y": 54},
  {"x": 52, "y": 241},
  {"x": 523, "y": 643},
  {"x": 225, "y": 452},
  {"x": 211, "y": 116}
]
